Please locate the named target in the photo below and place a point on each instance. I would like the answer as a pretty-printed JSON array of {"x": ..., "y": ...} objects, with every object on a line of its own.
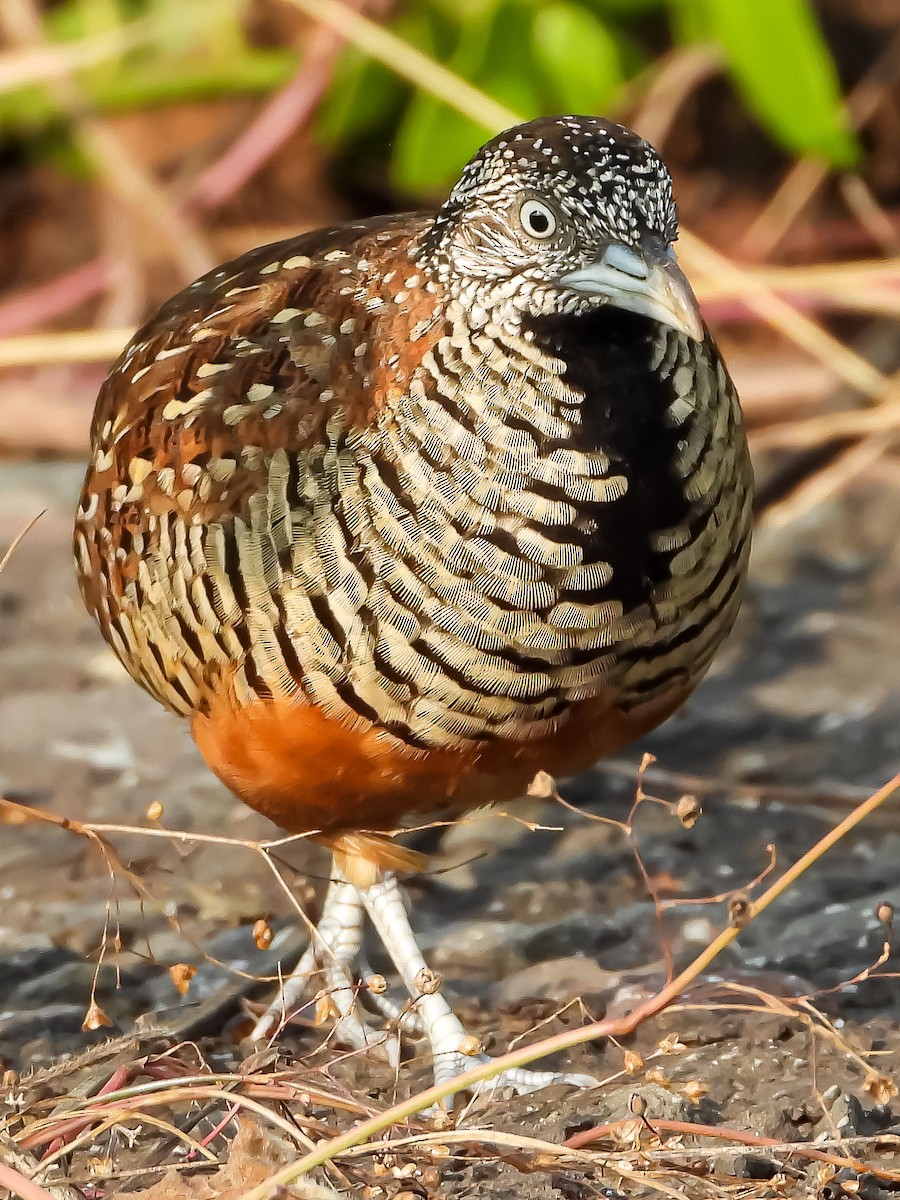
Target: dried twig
[{"x": 597, "y": 1133}]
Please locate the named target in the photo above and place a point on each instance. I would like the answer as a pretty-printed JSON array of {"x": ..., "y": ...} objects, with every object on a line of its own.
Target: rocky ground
[{"x": 799, "y": 720}]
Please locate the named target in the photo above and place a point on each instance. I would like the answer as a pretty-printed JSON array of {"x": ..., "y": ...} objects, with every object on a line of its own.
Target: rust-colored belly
[{"x": 313, "y": 774}]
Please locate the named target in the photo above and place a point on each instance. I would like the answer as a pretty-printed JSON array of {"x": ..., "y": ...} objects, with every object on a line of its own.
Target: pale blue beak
[{"x": 647, "y": 282}]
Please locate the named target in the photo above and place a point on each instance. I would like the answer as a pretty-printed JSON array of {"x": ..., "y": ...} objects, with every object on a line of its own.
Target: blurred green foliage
[
  {"x": 535, "y": 56},
  {"x": 172, "y": 51},
  {"x": 552, "y": 56}
]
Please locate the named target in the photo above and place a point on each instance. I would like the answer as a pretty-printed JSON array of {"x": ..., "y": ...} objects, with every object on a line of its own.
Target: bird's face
[{"x": 563, "y": 215}]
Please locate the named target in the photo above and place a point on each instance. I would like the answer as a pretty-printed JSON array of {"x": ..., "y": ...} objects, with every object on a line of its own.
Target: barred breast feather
[{"x": 325, "y": 499}]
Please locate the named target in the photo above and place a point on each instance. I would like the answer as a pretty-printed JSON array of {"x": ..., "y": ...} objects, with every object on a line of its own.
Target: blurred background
[{"x": 144, "y": 141}]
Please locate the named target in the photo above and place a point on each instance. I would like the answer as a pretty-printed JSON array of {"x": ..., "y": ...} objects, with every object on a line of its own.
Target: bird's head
[{"x": 563, "y": 215}]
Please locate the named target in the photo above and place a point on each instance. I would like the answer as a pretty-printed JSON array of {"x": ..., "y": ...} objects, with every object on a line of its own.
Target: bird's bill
[{"x": 651, "y": 284}]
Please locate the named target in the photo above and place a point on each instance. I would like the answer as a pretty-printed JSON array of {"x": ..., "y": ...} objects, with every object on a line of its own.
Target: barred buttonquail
[{"x": 401, "y": 512}]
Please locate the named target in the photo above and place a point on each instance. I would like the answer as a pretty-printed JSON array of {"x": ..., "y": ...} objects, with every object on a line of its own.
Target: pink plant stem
[
  {"x": 54, "y": 298},
  {"x": 285, "y": 112},
  {"x": 20, "y": 1185}
]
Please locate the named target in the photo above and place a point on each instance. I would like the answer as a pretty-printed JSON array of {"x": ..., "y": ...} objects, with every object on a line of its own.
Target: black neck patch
[{"x": 609, "y": 359}]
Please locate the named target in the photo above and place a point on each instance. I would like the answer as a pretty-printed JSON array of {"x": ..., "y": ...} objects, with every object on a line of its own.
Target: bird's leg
[
  {"x": 402, "y": 1017},
  {"x": 454, "y": 1050},
  {"x": 333, "y": 948}
]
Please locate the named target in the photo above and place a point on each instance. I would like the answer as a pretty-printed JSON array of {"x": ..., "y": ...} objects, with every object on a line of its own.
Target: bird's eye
[{"x": 537, "y": 219}]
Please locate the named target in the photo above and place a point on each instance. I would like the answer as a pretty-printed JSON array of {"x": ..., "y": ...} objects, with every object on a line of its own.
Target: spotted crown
[{"x": 600, "y": 184}]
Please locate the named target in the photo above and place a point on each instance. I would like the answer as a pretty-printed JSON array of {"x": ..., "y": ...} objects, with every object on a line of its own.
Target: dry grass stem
[
  {"x": 17, "y": 540},
  {"x": 784, "y": 317},
  {"x": 738, "y": 1136},
  {"x": 830, "y": 480}
]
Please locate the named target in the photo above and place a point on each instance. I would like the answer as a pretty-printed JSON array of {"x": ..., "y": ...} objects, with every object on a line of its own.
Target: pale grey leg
[{"x": 454, "y": 1050}]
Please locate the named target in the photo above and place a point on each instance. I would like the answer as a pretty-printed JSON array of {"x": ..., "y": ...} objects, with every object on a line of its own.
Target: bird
[{"x": 401, "y": 512}]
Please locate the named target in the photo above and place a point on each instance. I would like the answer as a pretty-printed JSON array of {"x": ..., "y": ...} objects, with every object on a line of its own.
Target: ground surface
[{"x": 799, "y": 720}]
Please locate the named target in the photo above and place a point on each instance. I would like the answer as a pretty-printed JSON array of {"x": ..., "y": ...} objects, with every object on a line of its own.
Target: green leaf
[
  {"x": 432, "y": 143},
  {"x": 493, "y": 51},
  {"x": 783, "y": 67},
  {"x": 361, "y": 96},
  {"x": 579, "y": 57}
]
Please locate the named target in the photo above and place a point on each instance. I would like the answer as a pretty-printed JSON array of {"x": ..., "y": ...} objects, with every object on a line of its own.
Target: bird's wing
[{"x": 213, "y": 415}]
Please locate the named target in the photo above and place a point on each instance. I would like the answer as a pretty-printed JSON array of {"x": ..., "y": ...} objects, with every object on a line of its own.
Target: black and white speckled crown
[{"x": 586, "y": 163}]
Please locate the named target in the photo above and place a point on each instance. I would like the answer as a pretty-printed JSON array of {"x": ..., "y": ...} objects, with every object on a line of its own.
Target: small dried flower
[
  {"x": 688, "y": 811},
  {"x": 428, "y": 982},
  {"x": 262, "y": 934},
  {"x": 95, "y": 1018},
  {"x": 543, "y": 787},
  {"x": 740, "y": 909},
  {"x": 632, "y": 1062},
  {"x": 181, "y": 975},
  {"x": 694, "y": 1090},
  {"x": 881, "y": 1088},
  {"x": 671, "y": 1044}
]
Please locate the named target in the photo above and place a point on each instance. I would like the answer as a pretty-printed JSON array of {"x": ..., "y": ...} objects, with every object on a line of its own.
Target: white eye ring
[{"x": 538, "y": 219}]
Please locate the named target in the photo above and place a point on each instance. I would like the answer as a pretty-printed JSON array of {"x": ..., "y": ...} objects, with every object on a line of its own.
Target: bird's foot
[{"x": 516, "y": 1079}]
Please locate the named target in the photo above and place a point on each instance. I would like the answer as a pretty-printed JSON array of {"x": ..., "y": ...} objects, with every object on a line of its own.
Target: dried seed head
[
  {"x": 632, "y": 1062},
  {"x": 694, "y": 1090},
  {"x": 671, "y": 1044},
  {"x": 262, "y": 934},
  {"x": 406, "y": 1171},
  {"x": 98, "y": 1166},
  {"x": 654, "y": 1075},
  {"x": 881, "y": 1088},
  {"x": 543, "y": 786},
  {"x": 428, "y": 982},
  {"x": 884, "y": 913},
  {"x": 688, "y": 811},
  {"x": 95, "y": 1018},
  {"x": 740, "y": 909},
  {"x": 181, "y": 975},
  {"x": 154, "y": 811},
  {"x": 377, "y": 984},
  {"x": 637, "y": 1105},
  {"x": 470, "y": 1046},
  {"x": 324, "y": 1009}
]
